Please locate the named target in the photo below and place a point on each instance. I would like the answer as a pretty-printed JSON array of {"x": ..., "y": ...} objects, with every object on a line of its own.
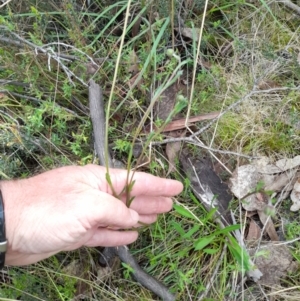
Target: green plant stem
[{"x": 114, "y": 84}]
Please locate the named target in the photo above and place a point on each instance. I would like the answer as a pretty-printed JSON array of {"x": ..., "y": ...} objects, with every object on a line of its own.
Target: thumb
[{"x": 103, "y": 210}]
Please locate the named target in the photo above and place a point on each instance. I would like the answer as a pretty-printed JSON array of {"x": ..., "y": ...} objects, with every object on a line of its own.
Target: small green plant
[{"x": 139, "y": 49}]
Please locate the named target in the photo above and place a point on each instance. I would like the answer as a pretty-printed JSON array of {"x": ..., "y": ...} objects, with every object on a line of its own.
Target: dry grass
[{"x": 253, "y": 68}]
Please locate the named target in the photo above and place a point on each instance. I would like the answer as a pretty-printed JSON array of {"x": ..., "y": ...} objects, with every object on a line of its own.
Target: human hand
[{"x": 69, "y": 207}]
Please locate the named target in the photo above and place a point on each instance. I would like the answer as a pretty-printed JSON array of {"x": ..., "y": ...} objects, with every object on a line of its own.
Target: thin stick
[
  {"x": 142, "y": 277},
  {"x": 99, "y": 129},
  {"x": 192, "y": 141},
  {"x": 51, "y": 54},
  {"x": 291, "y": 5},
  {"x": 98, "y": 121},
  {"x": 5, "y": 3},
  {"x": 115, "y": 80}
]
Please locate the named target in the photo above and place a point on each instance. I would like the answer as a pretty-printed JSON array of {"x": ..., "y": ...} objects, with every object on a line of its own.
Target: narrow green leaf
[
  {"x": 128, "y": 203},
  {"x": 178, "y": 228},
  {"x": 130, "y": 186},
  {"x": 210, "y": 214},
  {"x": 108, "y": 179},
  {"x": 192, "y": 197},
  {"x": 228, "y": 229},
  {"x": 203, "y": 242},
  {"x": 239, "y": 254},
  {"x": 191, "y": 232},
  {"x": 210, "y": 251},
  {"x": 184, "y": 212}
]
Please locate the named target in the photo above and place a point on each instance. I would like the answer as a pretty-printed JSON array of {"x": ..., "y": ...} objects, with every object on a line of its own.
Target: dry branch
[
  {"x": 291, "y": 5},
  {"x": 98, "y": 121},
  {"x": 14, "y": 39}
]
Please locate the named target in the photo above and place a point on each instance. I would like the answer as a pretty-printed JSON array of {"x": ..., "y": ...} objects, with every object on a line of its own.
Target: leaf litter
[{"x": 257, "y": 185}]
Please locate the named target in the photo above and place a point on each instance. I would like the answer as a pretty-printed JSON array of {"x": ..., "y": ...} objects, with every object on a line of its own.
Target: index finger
[{"x": 144, "y": 183}]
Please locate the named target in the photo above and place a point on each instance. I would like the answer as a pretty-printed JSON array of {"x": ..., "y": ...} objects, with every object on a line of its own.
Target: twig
[
  {"x": 36, "y": 100},
  {"x": 283, "y": 242},
  {"x": 64, "y": 56},
  {"x": 263, "y": 292},
  {"x": 9, "y": 117},
  {"x": 291, "y": 5},
  {"x": 5, "y": 3},
  {"x": 14, "y": 83},
  {"x": 72, "y": 47},
  {"x": 73, "y": 100},
  {"x": 142, "y": 277},
  {"x": 51, "y": 54},
  {"x": 98, "y": 121},
  {"x": 192, "y": 141}
]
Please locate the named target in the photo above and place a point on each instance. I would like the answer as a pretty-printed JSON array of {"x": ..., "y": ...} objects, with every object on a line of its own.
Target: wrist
[
  {"x": 3, "y": 241},
  {"x": 8, "y": 190}
]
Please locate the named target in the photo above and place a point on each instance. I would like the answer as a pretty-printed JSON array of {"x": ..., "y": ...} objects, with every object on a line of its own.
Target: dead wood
[
  {"x": 212, "y": 193},
  {"x": 98, "y": 121},
  {"x": 291, "y": 5}
]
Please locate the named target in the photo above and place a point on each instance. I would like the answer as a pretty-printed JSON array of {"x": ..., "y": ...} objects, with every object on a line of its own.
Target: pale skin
[{"x": 70, "y": 207}]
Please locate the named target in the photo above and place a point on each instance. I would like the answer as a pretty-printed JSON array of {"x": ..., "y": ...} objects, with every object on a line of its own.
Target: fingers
[
  {"x": 111, "y": 238},
  {"x": 146, "y": 205},
  {"x": 103, "y": 210},
  {"x": 144, "y": 184},
  {"x": 147, "y": 220}
]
